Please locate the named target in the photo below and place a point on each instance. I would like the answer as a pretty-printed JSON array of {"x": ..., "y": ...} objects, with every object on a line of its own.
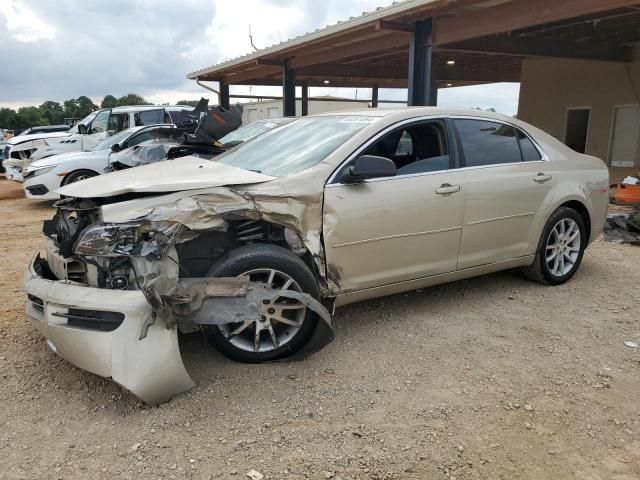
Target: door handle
[
  {"x": 542, "y": 177},
  {"x": 447, "y": 188}
]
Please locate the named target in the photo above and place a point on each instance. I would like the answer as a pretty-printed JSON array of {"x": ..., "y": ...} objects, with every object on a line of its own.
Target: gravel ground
[{"x": 489, "y": 378}]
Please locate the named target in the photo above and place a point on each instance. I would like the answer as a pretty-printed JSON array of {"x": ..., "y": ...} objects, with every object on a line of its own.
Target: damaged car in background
[
  {"x": 43, "y": 177},
  {"x": 90, "y": 131},
  {"x": 256, "y": 249},
  {"x": 207, "y": 142}
]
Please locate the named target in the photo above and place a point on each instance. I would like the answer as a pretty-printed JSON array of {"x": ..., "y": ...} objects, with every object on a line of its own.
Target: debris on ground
[
  {"x": 628, "y": 190},
  {"x": 631, "y": 344},
  {"x": 623, "y": 224},
  {"x": 254, "y": 475}
]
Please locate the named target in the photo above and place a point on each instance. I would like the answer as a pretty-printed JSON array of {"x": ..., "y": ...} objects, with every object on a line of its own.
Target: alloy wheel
[
  {"x": 278, "y": 320},
  {"x": 563, "y": 247}
]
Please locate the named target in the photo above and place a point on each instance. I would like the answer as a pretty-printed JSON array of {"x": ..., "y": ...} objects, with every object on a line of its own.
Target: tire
[
  {"x": 78, "y": 175},
  {"x": 551, "y": 272},
  {"x": 261, "y": 259}
]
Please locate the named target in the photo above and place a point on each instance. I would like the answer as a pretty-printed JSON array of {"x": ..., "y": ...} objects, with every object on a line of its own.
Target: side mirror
[
  {"x": 82, "y": 129},
  {"x": 370, "y": 166},
  {"x": 116, "y": 147}
]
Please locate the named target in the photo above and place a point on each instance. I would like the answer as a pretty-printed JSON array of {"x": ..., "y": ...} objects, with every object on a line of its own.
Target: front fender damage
[
  {"x": 217, "y": 301},
  {"x": 222, "y": 300},
  {"x": 195, "y": 302}
]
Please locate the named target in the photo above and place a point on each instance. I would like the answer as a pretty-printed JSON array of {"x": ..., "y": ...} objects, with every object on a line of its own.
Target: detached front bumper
[{"x": 98, "y": 330}]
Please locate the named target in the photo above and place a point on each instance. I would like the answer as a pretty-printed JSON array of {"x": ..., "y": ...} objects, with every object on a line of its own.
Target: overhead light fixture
[
  {"x": 451, "y": 62},
  {"x": 449, "y": 84},
  {"x": 326, "y": 82}
]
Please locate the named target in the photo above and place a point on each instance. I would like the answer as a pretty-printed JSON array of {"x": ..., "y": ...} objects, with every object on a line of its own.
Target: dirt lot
[{"x": 491, "y": 378}]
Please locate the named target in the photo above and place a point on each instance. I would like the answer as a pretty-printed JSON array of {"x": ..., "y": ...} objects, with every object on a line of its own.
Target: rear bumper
[{"x": 151, "y": 368}]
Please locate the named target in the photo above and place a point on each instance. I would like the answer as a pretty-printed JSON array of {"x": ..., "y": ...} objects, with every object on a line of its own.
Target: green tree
[
  {"x": 109, "y": 101},
  {"x": 191, "y": 103},
  {"x": 8, "y": 118},
  {"x": 29, "y": 117},
  {"x": 71, "y": 108},
  {"x": 132, "y": 99},
  {"x": 52, "y": 111},
  {"x": 85, "y": 106}
]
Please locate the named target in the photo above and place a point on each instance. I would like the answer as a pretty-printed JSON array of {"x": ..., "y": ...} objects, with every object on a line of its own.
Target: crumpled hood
[
  {"x": 36, "y": 136},
  {"x": 65, "y": 157},
  {"x": 185, "y": 173}
]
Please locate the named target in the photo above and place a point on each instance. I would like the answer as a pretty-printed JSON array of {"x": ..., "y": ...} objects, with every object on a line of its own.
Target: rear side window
[
  {"x": 487, "y": 143},
  {"x": 529, "y": 151},
  {"x": 149, "y": 117}
]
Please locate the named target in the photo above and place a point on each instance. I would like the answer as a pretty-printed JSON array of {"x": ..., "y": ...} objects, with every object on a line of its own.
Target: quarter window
[
  {"x": 487, "y": 143},
  {"x": 529, "y": 151}
]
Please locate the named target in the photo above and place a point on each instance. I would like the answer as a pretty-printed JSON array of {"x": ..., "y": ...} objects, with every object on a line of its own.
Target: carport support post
[
  {"x": 374, "y": 96},
  {"x": 305, "y": 99},
  {"x": 422, "y": 79},
  {"x": 224, "y": 95},
  {"x": 288, "y": 91}
]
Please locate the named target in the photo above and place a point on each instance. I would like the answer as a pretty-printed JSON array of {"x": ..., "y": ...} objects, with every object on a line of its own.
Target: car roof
[{"x": 144, "y": 108}]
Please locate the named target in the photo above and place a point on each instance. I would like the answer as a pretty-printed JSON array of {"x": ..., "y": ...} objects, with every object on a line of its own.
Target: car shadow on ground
[{"x": 360, "y": 320}]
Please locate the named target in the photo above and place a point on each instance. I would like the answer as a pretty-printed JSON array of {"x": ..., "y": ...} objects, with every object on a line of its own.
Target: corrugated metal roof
[{"x": 396, "y": 8}]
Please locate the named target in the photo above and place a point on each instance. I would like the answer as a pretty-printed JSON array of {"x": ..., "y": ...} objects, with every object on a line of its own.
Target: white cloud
[{"x": 23, "y": 23}]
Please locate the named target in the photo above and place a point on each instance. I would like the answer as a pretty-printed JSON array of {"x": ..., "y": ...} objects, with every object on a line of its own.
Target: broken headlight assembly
[{"x": 134, "y": 239}]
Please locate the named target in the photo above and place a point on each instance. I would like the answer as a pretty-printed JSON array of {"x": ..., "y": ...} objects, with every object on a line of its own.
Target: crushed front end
[{"x": 110, "y": 297}]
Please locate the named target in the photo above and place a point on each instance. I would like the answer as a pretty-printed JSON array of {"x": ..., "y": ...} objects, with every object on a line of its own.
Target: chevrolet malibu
[{"x": 256, "y": 249}]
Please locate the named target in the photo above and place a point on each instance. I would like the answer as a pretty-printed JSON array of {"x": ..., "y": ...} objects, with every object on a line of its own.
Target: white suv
[{"x": 20, "y": 151}]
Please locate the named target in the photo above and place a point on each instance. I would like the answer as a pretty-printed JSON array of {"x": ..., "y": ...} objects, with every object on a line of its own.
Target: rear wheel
[
  {"x": 560, "y": 249},
  {"x": 283, "y": 325},
  {"x": 78, "y": 175}
]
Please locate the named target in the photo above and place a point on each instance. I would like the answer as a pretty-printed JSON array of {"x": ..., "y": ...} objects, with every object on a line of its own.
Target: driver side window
[
  {"x": 417, "y": 148},
  {"x": 101, "y": 122},
  {"x": 142, "y": 137}
]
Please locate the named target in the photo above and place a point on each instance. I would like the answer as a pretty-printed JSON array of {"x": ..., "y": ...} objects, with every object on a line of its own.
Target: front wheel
[
  {"x": 78, "y": 176},
  {"x": 283, "y": 326},
  {"x": 560, "y": 249}
]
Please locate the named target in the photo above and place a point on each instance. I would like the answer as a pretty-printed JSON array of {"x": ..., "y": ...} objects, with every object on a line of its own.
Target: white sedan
[{"x": 43, "y": 177}]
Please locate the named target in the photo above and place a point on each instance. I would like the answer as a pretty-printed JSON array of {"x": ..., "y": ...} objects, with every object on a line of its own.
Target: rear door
[{"x": 508, "y": 191}]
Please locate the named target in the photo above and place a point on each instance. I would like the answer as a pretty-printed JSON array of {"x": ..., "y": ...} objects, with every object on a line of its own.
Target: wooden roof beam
[
  {"x": 534, "y": 47},
  {"x": 394, "y": 26},
  {"x": 515, "y": 15},
  {"x": 385, "y": 42}
]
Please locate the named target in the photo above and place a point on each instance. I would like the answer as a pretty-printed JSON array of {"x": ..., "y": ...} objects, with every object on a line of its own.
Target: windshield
[
  {"x": 247, "y": 133},
  {"x": 113, "y": 139},
  {"x": 295, "y": 147},
  {"x": 85, "y": 121}
]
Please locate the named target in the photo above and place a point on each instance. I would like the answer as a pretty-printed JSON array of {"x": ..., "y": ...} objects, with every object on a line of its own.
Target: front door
[
  {"x": 395, "y": 229},
  {"x": 97, "y": 130},
  {"x": 509, "y": 188}
]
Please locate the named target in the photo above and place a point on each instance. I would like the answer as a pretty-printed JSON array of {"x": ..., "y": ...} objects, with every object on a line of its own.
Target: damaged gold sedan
[{"x": 257, "y": 248}]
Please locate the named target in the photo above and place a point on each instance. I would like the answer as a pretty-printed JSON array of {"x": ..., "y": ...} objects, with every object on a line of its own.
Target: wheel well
[
  {"x": 583, "y": 212},
  {"x": 77, "y": 170},
  {"x": 197, "y": 255}
]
